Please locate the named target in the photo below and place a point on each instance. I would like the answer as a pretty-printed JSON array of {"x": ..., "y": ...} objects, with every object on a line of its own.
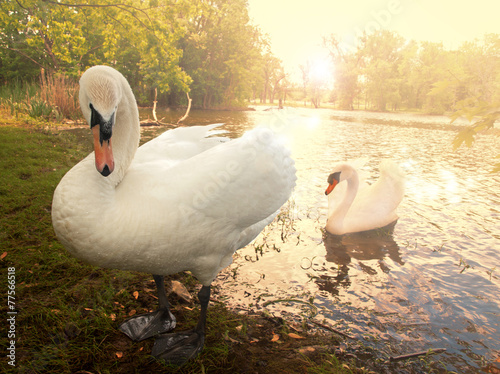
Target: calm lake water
[{"x": 433, "y": 283}]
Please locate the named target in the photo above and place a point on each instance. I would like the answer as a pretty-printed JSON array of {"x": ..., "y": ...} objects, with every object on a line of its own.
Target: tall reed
[
  {"x": 61, "y": 93},
  {"x": 55, "y": 97}
]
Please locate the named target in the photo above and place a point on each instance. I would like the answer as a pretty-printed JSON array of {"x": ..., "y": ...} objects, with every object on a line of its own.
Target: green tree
[
  {"x": 480, "y": 63},
  {"x": 346, "y": 72},
  {"x": 139, "y": 39},
  {"x": 272, "y": 72},
  {"x": 381, "y": 56},
  {"x": 220, "y": 48},
  {"x": 42, "y": 34}
]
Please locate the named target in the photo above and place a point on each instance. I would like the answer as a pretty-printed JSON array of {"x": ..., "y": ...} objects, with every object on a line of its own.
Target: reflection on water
[
  {"x": 433, "y": 282},
  {"x": 362, "y": 246}
]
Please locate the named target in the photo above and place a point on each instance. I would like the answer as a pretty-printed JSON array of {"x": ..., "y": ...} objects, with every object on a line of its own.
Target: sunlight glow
[
  {"x": 320, "y": 71},
  {"x": 451, "y": 186},
  {"x": 312, "y": 122}
]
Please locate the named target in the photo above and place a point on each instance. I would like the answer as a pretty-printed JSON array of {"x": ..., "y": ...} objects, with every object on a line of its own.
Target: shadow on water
[{"x": 361, "y": 246}]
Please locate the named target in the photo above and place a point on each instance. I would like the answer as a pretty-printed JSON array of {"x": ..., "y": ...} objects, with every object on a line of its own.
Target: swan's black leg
[
  {"x": 147, "y": 325},
  {"x": 177, "y": 348}
]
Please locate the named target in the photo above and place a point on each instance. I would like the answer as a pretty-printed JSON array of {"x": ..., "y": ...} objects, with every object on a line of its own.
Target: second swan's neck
[{"x": 338, "y": 212}]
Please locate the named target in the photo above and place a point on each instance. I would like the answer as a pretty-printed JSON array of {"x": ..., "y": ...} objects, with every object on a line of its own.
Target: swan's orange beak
[
  {"x": 104, "y": 161},
  {"x": 331, "y": 187}
]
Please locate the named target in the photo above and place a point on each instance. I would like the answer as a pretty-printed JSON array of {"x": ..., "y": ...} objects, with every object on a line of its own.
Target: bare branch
[
  {"x": 24, "y": 55},
  {"x": 187, "y": 110}
]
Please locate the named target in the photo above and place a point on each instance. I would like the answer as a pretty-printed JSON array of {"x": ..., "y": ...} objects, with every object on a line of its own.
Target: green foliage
[
  {"x": 482, "y": 116},
  {"x": 347, "y": 71},
  {"x": 221, "y": 52},
  {"x": 53, "y": 99},
  {"x": 380, "y": 57},
  {"x": 388, "y": 72},
  {"x": 38, "y": 108},
  {"x": 175, "y": 46}
]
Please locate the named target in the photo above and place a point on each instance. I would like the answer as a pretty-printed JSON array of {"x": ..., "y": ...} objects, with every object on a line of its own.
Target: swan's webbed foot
[
  {"x": 146, "y": 325},
  {"x": 180, "y": 347},
  {"x": 177, "y": 348}
]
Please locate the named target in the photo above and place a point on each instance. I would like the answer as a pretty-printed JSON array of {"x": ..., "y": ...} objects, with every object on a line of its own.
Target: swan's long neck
[
  {"x": 126, "y": 134},
  {"x": 337, "y": 215}
]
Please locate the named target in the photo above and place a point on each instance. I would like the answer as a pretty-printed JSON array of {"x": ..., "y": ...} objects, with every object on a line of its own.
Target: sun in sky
[{"x": 320, "y": 70}]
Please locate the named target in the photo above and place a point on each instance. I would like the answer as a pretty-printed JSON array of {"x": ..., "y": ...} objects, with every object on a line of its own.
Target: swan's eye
[{"x": 334, "y": 177}]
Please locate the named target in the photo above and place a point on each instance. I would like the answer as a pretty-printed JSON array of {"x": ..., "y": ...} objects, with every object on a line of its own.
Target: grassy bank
[{"x": 68, "y": 312}]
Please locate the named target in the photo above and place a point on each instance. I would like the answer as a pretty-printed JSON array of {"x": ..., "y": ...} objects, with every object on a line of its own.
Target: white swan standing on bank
[
  {"x": 363, "y": 207},
  {"x": 183, "y": 201}
]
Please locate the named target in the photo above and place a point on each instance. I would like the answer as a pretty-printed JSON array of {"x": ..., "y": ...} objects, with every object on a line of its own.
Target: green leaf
[{"x": 464, "y": 136}]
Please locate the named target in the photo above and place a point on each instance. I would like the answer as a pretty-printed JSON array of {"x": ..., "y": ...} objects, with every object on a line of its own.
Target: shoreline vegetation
[
  {"x": 68, "y": 312},
  {"x": 54, "y": 100}
]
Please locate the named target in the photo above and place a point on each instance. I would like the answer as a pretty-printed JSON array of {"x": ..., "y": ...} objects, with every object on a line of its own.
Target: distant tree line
[
  {"x": 387, "y": 72},
  {"x": 207, "y": 48}
]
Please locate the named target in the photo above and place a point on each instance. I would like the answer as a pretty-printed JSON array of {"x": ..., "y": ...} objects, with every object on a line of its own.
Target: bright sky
[{"x": 296, "y": 28}]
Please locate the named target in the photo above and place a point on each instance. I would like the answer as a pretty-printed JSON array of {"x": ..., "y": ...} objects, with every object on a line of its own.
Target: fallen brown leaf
[
  {"x": 275, "y": 338},
  {"x": 3, "y": 255},
  {"x": 181, "y": 291},
  {"x": 136, "y": 294},
  {"x": 119, "y": 354},
  {"x": 295, "y": 336},
  {"x": 228, "y": 338},
  {"x": 306, "y": 350}
]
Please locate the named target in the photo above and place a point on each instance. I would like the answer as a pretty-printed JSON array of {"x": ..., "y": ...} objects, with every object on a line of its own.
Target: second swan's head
[
  {"x": 100, "y": 93},
  {"x": 340, "y": 172}
]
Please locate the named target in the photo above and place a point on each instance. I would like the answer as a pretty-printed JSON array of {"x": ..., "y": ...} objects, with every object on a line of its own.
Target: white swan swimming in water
[
  {"x": 362, "y": 207},
  {"x": 183, "y": 201}
]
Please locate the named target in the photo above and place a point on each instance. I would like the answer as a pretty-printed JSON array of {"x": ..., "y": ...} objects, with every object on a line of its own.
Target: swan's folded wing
[
  {"x": 378, "y": 202},
  {"x": 180, "y": 144},
  {"x": 243, "y": 181}
]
